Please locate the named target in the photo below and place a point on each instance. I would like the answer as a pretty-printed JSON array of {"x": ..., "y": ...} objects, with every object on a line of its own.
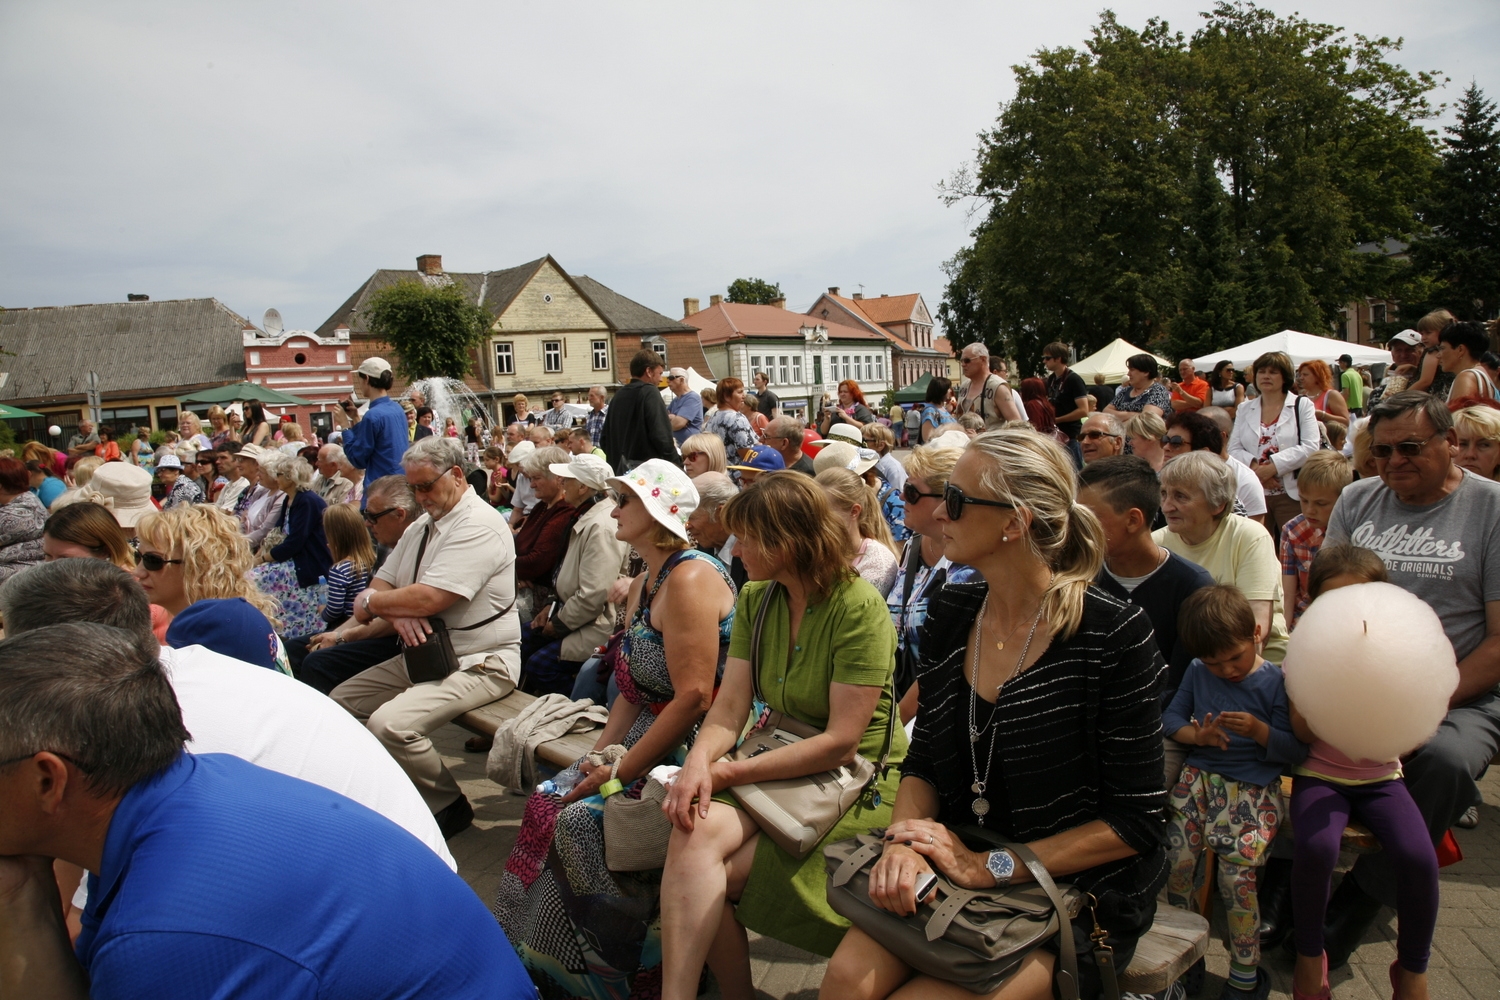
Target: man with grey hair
[
  {"x": 1101, "y": 437},
  {"x": 328, "y": 659},
  {"x": 784, "y": 433},
  {"x": 1437, "y": 527},
  {"x": 982, "y": 392},
  {"x": 455, "y": 565},
  {"x": 594, "y": 421},
  {"x": 330, "y": 483},
  {"x": 715, "y": 489},
  {"x": 213, "y": 875},
  {"x": 229, "y": 706}
]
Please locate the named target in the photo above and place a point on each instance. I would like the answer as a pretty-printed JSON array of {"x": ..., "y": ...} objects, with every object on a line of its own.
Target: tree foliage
[
  {"x": 1460, "y": 256},
  {"x": 1188, "y": 193},
  {"x": 753, "y": 291},
  {"x": 433, "y": 328}
]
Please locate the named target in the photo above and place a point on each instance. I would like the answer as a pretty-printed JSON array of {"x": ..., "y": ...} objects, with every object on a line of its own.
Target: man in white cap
[
  {"x": 685, "y": 412},
  {"x": 580, "y": 620},
  {"x": 376, "y": 441},
  {"x": 1406, "y": 349}
]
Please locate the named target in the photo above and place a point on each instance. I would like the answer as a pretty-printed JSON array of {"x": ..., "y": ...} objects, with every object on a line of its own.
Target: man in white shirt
[
  {"x": 330, "y": 483},
  {"x": 227, "y": 461},
  {"x": 455, "y": 563}
]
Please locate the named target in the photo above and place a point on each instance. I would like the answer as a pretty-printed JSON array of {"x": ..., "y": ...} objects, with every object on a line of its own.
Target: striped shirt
[
  {"x": 344, "y": 585},
  {"x": 1079, "y": 735}
]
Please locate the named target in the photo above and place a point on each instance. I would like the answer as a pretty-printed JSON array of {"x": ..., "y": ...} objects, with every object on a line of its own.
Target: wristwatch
[{"x": 1001, "y": 865}]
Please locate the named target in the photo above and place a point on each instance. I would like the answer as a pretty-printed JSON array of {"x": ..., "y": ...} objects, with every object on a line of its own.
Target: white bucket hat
[
  {"x": 842, "y": 432},
  {"x": 590, "y": 470},
  {"x": 127, "y": 488},
  {"x": 667, "y": 492},
  {"x": 843, "y": 455}
]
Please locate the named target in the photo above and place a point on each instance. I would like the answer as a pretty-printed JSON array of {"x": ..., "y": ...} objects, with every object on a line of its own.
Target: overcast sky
[{"x": 274, "y": 154}]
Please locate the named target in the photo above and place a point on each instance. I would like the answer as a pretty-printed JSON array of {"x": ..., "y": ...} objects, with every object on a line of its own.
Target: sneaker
[
  {"x": 1469, "y": 820},
  {"x": 455, "y": 818}
]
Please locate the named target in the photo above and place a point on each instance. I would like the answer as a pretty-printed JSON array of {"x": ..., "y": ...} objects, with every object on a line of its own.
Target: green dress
[{"x": 845, "y": 639}]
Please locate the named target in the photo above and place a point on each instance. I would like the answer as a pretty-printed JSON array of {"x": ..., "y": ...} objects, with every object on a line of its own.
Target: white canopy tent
[
  {"x": 1299, "y": 347},
  {"x": 1110, "y": 360}
]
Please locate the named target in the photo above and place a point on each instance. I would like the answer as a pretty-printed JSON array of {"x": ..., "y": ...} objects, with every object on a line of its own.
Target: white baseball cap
[
  {"x": 373, "y": 367},
  {"x": 1409, "y": 337}
]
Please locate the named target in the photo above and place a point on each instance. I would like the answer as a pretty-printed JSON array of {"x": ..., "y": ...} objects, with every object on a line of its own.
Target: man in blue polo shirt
[
  {"x": 214, "y": 877},
  {"x": 376, "y": 441}
]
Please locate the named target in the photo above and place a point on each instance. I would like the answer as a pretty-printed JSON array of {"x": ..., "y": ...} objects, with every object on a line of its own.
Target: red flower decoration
[
  {"x": 656, "y": 492},
  {"x": 673, "y": 509}
]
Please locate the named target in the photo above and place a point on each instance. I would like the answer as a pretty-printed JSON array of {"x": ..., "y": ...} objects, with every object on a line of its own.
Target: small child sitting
[
  {"x": 1320, "y": 482},
  {"x": 1327, "y": 791},
  {"x": 1232, "y": 709}
]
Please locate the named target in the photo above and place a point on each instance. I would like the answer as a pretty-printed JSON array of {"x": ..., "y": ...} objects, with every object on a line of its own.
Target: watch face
[{"x": 1001, "y": 865}]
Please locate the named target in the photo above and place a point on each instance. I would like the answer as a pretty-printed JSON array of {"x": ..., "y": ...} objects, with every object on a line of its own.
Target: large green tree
[
  {"x": 433, "y": 328},
  {"x": 1460, "y": 257},
  {"x": 1188, "y": 193},
  {"x": 753, "y": 291}
]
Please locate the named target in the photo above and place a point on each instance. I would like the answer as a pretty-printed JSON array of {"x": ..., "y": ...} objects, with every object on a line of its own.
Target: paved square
[{"x": 1465, "y": 950}]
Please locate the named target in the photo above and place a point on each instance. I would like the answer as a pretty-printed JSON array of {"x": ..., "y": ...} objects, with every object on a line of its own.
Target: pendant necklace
[{"x": 981, "y": 805}]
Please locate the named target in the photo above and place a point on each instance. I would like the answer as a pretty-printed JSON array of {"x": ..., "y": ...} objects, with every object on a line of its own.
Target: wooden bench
[
  {"x": 559, "y": 753},
  {"x": 1175, "y": 941}
]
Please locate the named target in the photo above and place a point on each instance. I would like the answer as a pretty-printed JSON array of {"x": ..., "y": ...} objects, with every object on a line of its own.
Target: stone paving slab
[{"x": 1465, "y": 955}]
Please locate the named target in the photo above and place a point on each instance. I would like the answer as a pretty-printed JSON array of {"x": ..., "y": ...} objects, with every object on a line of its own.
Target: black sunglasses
[
  {"x": 1406, "y": 449},
  {"x": 1175, "y": 441},
  {"x": 154, "y": 562},
  {"x": 622, "y": 498},
  {"x": 372, "y": 518},
  {"x": 911, "y": 494},
  {"x": 954, "y": 499},
  {"x": 1096, "y": 435}
]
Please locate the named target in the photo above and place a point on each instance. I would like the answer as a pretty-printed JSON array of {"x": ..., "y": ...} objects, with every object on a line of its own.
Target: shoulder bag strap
[
  {"x": 1067, "y": 976},
  {"x": 421, "y": 551},
  {"x": 760, "y": 624}
]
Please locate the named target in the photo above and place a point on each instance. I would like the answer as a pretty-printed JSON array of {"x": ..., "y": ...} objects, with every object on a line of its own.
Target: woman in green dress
[{"x": 827, "y": 656}]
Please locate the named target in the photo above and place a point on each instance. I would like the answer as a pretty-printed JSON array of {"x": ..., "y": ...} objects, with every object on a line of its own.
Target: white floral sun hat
[{"x": 668, "y": 493}]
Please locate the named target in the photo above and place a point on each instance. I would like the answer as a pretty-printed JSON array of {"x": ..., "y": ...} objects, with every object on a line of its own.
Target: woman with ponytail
[{"x": 1038, "y": 720}]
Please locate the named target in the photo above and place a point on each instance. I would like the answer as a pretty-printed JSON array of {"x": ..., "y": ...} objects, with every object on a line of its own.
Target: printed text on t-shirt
[{"x": 1407, "y": 551}]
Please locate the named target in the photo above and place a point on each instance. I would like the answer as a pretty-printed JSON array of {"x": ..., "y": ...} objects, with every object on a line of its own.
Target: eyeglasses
[
  {"x": 1096, "y": 435},
  {"x": 1406, "y": 449},
  {"x": 622, "y": 500},
  {"x": 1174, "y": 441},
  {"x": 27, "y": 756},
  {"x": 154, "y": 562},
  {"x": 427, "y": 487},
  {"x": 372, "y": 518},
  {"x": 954, "y": 499},
  {"x": 911, "y": 494}
]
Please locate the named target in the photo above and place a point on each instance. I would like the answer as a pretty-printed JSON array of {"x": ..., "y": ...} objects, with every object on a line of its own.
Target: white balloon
[
  {"x": 54, "y": 430},
  {"x": 1371, "y": 670}
]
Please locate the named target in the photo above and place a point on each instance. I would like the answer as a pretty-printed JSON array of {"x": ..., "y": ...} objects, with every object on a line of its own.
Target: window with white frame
[
  {"x": 847, "y": 369},
  {"x": 859, "y": 370},
  {"x": 870, "y": 367},
  {"x": 601, "y": 355},
  {"x": 797, "y": 369},
  {"x": 551, "y": 355},
  {"x": 783, "y": 371},
  {"x": 880, "y": 367},
  {"x": 505, "y": 358},
  {"x": 755, "y": 366}
]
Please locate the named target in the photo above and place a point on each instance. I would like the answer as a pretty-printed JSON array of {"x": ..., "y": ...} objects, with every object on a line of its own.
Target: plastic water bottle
[
  {"x": 562, "y": 784},
  {"x": 322, "y": 591}
]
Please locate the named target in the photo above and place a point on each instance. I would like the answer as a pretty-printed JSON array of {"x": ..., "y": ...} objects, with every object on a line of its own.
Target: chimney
[
  {"x": 689, "y": 306},
  {"x": 859, "y": 296},
  {"x": 430, "y": 263},
  {"x": 779, "y": 303},
  {"x": 137, "y": 297},
  {"x": 833, "y": 289},
  {"x": 714, "y": 300},
  {"x": 883, "y": 295}
]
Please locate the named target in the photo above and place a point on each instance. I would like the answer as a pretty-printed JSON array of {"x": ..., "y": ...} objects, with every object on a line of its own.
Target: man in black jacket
[{"x": 636, "y": 426}]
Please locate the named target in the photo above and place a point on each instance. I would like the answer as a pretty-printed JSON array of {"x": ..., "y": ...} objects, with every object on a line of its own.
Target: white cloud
[{"x": 276, "y": 153}]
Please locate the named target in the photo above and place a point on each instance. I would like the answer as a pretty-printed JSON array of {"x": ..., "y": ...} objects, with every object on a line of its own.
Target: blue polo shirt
[
  {"x": 688, "y": 406},
  {"x": 378, "y": 441},
  {"x": 222, "y": 879}
]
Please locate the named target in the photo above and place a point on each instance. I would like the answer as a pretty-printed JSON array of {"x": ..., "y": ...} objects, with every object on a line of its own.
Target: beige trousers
[{"x": 403, "y": 715}]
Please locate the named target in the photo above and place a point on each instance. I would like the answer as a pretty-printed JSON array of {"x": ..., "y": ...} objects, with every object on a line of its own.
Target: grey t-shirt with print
[{"x": 1446, "y": 553}]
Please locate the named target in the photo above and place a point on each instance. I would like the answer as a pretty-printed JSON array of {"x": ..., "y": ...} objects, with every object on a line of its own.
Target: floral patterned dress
[{"x": 580, "y": 929}]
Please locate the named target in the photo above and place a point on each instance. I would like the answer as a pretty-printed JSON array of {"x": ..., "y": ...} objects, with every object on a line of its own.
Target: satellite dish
[{"x": 272, "y": 323}]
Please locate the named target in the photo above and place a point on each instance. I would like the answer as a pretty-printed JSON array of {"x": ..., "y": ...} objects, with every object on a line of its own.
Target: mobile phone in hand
[{"x": 926, "y": 883}]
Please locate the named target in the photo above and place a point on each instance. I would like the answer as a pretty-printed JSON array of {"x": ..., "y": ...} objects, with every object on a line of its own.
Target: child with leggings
[{"x": 1329, "y": 788}]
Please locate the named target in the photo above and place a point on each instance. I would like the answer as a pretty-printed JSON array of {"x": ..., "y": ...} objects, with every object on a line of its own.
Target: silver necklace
[{"x": 981, "y": 805}]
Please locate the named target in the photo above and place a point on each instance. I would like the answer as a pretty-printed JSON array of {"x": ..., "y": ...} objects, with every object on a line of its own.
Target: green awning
[
  {"x": 916, "y": 392},
  {"x": 16, "y": 413},
  {"x": 245, "y": 391}
]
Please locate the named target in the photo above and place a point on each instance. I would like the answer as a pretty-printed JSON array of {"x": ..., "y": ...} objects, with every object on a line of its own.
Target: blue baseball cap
[
  {"x": 231, "y": 626},
  {"x": 761, "y": 458}
]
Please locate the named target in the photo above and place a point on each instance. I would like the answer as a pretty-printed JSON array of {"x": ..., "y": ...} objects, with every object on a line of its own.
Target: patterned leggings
[{"x": 1237, "y": 822}]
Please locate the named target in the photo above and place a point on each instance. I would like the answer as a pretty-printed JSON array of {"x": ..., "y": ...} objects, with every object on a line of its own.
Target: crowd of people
[{"x": 1058, "y": 621}]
